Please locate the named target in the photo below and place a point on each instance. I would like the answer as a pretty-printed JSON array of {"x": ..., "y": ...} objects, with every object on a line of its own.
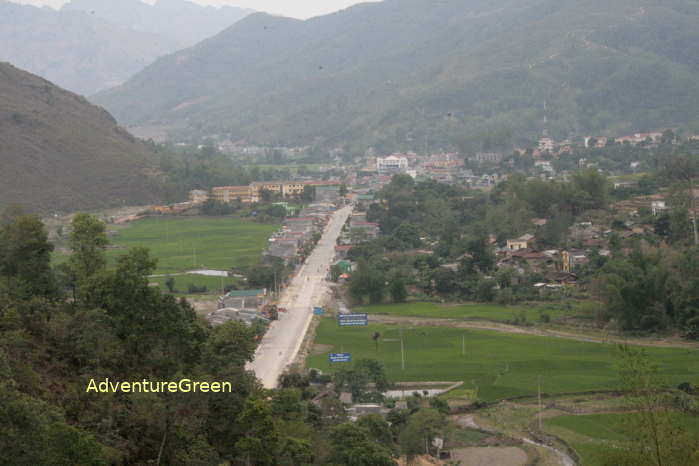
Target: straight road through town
[{"x": 283, "y": 339}]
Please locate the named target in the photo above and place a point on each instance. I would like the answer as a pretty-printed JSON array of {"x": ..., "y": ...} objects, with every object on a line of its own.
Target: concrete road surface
[{"x": 282, "y": 341}]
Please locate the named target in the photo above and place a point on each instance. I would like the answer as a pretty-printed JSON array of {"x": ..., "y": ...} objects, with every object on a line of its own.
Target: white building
[
  {"x": 391, "y": 164},
  {"x": 546, "y": 145},
  {"x": 658, "y": 207}
]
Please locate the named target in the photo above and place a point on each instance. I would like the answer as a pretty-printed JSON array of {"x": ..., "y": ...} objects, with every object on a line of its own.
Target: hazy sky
[{"x": 295, "y": 8}]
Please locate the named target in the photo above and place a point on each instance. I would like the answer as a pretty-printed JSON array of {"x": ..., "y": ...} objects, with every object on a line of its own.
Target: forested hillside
[
  {"x": 61, "y": 153},
  {"x": 416, "y": 72}
]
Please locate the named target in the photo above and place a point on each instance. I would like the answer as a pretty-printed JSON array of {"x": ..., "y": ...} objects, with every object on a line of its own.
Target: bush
[
  {"x": 194, "y": 289},
  {"x": 505, "y": 297},
  {"x": 686, "y": 387},
  {"x": 544, "y": 317},
  {"x": 520, "y": 318},
  {"x": 652, "y": 322}
]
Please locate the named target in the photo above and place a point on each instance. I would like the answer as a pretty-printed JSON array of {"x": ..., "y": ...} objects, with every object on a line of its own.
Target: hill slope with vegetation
[
  {"x": 59, "y": 152},
  {"x": 420, "y": 72}
]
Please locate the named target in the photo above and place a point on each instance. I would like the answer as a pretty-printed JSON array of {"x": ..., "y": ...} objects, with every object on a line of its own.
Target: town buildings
[{"x": 391, "y": 165}]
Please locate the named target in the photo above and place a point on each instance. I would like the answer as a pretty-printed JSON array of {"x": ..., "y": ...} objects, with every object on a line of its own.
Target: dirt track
[{"x": 506, "y": 328}]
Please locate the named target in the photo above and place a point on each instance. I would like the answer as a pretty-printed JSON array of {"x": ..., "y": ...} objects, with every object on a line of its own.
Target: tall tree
[
  {"x": 25, "y": 256},
  {"x": 88, "y": 241}
]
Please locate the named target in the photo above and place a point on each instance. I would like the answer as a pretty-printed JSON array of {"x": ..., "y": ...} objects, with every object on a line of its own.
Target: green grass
[
  {"x": 491, "y": 312},
  {"x": 467, "y": 437},
  {"x": 500, "y": 365},
  {"x": 182, "y": 283},
  {"x": 219, "y": 242},
  {"x": 591, "y": 435}
]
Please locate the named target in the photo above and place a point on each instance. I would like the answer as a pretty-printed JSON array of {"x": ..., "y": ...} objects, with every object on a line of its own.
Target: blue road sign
[
  {"x": 353, "y": 320},
  {"x": 319, "y": 311},
  {"x": 340, "y": 357}
]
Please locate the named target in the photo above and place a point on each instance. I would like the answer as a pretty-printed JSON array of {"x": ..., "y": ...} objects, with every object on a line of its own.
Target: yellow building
[
  {"x": 281, "y": 189},
  {"x": 228, "y": 194},
  {"x": 251, "y": 193},
  {"x": 293, "y": 189},
  {"x": 523, "y": 242}
]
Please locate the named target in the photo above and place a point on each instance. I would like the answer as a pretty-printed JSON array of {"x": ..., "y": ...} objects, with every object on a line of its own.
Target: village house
[
  {"x": 243, "y": 299},
  {"x": 546, "y": 145},
  {"x": 198, "y": 196},
  {"x": 487, "y": 157},
  {"x": 341, "y": 251},
  {"x": 658, "y": 207},
  {"x": 572, "y": 258},
  {"x": 523, "y": 242}
]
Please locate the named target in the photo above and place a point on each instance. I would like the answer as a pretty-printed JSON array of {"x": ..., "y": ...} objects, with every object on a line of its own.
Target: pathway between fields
[{"x": 506, "y": 328}]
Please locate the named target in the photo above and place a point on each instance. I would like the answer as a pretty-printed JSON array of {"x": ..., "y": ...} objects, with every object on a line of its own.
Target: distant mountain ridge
[
  {"x": 183, "y": 21},
  {"x": 414, "y": 72},
  {"x": 90, "y": 45},
  {"x": 60, "y": 153}
]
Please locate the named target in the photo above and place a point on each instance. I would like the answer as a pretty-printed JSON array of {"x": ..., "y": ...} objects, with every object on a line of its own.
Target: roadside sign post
[
  {"x": 353, "y": 320},
  {"x": 340, "y": 357}
]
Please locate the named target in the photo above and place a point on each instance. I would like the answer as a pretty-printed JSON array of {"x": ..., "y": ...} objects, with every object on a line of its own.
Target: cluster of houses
[
  {"x": 240, "y": 305},
  {"x": 356, "y": 230},
  {"x": 297, "y": 233},
  {"x": 448, "y": 168}
]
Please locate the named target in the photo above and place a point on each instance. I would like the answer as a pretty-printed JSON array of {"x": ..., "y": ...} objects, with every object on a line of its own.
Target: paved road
[{"x": 283, "y": 340}]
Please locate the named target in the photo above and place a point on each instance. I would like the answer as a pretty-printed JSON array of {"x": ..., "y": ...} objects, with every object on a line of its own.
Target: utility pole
[
  {"x": 402, "y": 351},
  {"x": 694, "y": 211},
  {"x": 540, "y": 404}
]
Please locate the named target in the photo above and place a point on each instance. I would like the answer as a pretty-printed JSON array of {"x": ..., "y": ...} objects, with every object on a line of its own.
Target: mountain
[
  {"x": 85, "y": 50},
  {"x": 61, "y": 153},
  {"x": 414, "y": 72},
  {"x": 181, "y": 21}
]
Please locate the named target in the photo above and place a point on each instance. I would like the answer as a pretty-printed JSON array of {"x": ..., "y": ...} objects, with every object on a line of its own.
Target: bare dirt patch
[
  {"x": 320, "y": 349},
  {"x": 488, "y": 456}
]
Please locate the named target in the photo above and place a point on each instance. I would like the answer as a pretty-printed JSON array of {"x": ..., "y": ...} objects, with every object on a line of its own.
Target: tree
[
  {"x": 592, "y": 190},
  {"x": 88, "y": 241},
  {"x": 309, "y": 194},
  {"x": 409, "y": 235},
  {"x": 377, "y": 428},
  {"x": 170, "y": 284},
  {"x": 421, "y": 429},
  {"x": 656, "y": 436},
  {"x": 261, "y": 440},
  {"x": 368, "y": 282},
  {"x": 352, "y": 445},
  {"x": 228, "y": 348},
  {"x": 363, "y": 372},
  {"x": 682, "y": 172},
  {"x": 343, "y": 190},
  {"x": 25, "y": 256},
  {"x": 397, "y": 289}
]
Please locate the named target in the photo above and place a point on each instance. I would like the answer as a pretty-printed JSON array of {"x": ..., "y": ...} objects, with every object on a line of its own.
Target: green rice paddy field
[
  {"x": 492, "y": 312},
  {"x": 591, "y": 434},
  {"x": 495, "y": 365},
  {"x": 186, "y": 243}
]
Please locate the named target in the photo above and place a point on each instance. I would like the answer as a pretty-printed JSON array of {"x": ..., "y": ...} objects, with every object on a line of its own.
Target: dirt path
[
  {"x": 468, "y": 421},
  {"x": 506, "y": 328}
]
